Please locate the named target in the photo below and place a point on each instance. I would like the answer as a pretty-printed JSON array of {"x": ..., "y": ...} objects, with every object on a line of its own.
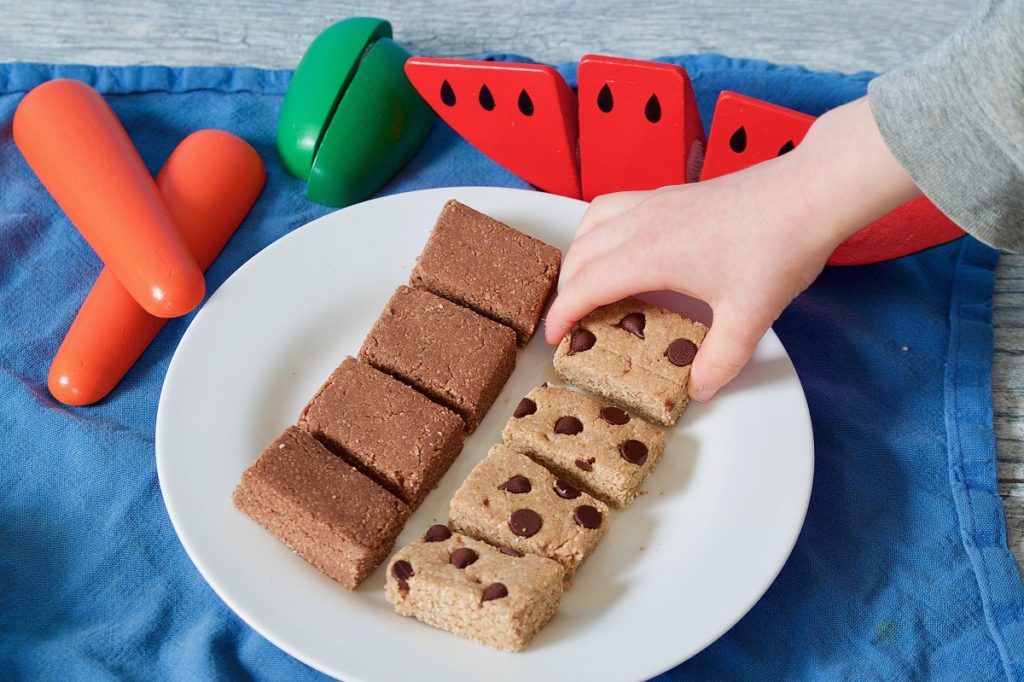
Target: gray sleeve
[{"x": 954, "y": 119}]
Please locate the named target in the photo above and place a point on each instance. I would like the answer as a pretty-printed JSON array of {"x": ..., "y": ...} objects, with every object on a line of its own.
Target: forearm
[
  {"x": 954, "y": 118},
  {"x": 845, "y": 174}
]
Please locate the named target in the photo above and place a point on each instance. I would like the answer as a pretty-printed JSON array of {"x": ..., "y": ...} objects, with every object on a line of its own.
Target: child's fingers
[
  {"x": 600, "y": 281},
  {"x": 604, "y": 228},
  {"x": 589, "y": 247},
  {"x": 726, "y": 349},
  {"x": 607, "y": 207}
]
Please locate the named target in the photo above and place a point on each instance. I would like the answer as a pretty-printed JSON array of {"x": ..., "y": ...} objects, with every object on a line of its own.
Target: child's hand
[{"x": 745, "y": 243}]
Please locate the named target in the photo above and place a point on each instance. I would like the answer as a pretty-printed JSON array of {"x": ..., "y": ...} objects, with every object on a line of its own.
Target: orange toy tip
[
  {"x": 208, "y": 184},
  {"x": 81, "y": 153}
]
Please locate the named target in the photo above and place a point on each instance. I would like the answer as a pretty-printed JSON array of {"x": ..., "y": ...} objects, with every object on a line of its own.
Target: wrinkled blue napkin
[{"x": 901, "y": 571}]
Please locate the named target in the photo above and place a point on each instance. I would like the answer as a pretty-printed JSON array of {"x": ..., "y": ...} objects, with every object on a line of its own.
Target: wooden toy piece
[
  {"x": 378, "y": 125},
  {"x": 912, "y": 227},
  {"x": 317, "y": 86},
  {"x": 639, "y": 125},
  {"x": 746, "y": 131},
  {"x": 523, "y": 116},
  {"x": 81, "y": 153},
  {"x": 209, "y": 183}
]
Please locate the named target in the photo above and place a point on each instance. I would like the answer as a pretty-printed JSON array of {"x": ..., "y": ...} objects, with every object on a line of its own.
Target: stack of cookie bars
[{"x": 384, "y": 428}]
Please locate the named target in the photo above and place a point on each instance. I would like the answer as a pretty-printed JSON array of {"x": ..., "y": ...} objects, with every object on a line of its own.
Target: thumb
[{"x": 726, "y": 349}]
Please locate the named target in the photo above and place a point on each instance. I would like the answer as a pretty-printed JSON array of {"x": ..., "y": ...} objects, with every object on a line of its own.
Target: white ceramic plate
[{"x": 676, "y": 570}]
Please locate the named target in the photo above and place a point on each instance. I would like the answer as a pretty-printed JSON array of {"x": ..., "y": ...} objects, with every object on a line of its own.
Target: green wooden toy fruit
[
  {"x": 350, "y": 119},
  {"x": 318, "y": 85},
  {"x": 379, "y": 124}
]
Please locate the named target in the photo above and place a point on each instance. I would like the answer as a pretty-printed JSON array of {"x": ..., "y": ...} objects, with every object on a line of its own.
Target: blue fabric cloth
[{"x": 901, "y": 571}]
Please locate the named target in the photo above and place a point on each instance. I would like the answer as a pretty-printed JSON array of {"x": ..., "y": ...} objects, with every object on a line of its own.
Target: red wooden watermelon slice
[
  {"x": 523, "y": 116},
  {"x": 746, "y": 131},
  {"x": 639, "y": 125}
]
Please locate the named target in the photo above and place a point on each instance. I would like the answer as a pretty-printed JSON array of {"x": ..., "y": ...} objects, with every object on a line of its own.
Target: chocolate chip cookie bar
[
  {"x": 453, "y": 355},
  {"x": 511, "y": 501},
  {"x": 393, "y": 433},
  {"x": 597, "y": 447},
  {"x": 498, "y": 597},
  {"x": 484, "y": 264},
  {"x": 325, "y": 510},
  {"x": 635, "y": 354}
]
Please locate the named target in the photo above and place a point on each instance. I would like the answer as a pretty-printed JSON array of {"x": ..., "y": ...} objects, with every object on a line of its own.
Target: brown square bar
[
  {"x": 484, "y": 264},
  {"x": 325, "y": 510},
  {"x": 458, "y": 358},
  {"x": 394, "y": 434}
]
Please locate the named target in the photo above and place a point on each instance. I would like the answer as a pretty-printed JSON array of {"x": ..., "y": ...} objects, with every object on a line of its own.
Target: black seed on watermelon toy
[
  {"x": 620, "y": 149},
  {"x": 525, "y": 103},
  {"x": 653, "y": 109},
  {"x": 786, "y": 148},
  {"x": 486, "y": 98},
  {"x": 447, "y": 94},
  {"x": 738, "y": 141}
]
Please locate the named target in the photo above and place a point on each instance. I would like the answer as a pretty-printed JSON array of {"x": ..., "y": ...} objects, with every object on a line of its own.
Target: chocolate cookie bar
[
  {"x": 484, "y": 264},
  {"x": 330, "y": 514},
  {"x": 635, "y": 354},
  {"x": 511, "y": 501},
  {"x": 597, "y": 447},
  {"x": 467, "y": 587},
  {"x": 394, "y": 434},
  {"x": 458, "y": 358}
]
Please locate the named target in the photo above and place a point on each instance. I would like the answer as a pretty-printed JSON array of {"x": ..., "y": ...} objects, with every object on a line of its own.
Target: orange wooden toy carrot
[
  {"x": 209, "y": 183},
  {"x": 81, "y": 153}
]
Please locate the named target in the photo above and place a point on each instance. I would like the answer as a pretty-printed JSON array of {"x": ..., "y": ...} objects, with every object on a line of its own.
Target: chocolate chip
[
  {"x": 524, "y": 408},
  {"x": 566, "y": 491},
  {"x": 634, "y": 323},
  {"x": 738, "y": 141},
  {"x": 604, "y": 99},
  {"x": 511, "y": 552},
  {"x": 585, "y": 465},
  {"x": 614, "y": 415},
  {"x": 653, "y": 109},
  {"x": 634, "y": 452},
  {"x": 494, "y": 591},
  {"x": 463, "y": 557},
  {"x": 437, "y": 533},
  {"x": 447, "y": 94},
  {"x": 568, "y": 426},
  {"x": 525, "y": 522},
  {"x": 525, "y": 103},
  {"x": 581, "y": 340},
  {"x": 516, "y": 485},
  {"x": 681, "y": 352},
  {"x": 587, "y": 516},
  {"x": 402, "y": 571},
  {"x": 486, "y": 98},
  {"x": 786, "y": 148}
]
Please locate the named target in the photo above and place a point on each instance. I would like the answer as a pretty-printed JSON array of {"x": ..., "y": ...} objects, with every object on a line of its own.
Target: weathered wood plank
[{"x": 873, "y": 34}]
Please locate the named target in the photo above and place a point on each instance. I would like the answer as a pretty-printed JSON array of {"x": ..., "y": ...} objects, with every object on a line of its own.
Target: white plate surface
[{"x": 677, "y": 569}]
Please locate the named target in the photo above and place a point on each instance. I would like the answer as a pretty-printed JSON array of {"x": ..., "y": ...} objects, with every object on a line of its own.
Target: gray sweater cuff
[{"x": 954, "y": 119}]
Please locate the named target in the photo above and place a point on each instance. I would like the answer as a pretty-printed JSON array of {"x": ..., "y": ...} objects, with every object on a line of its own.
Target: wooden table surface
[{"x": 822, "y": 35}]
